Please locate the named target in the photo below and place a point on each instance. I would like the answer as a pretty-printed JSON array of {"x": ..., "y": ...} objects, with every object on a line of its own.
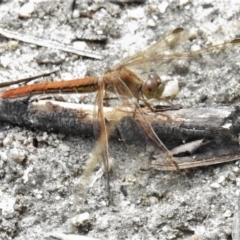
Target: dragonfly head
[{"x": 153, "y": 87}]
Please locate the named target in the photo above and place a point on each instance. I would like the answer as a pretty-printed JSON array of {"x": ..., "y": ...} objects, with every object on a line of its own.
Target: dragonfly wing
[
  {"x": 172, "y": 54},
  {"x": 220, "y": 62},
  {"x": 129, "y": 105},
  {"x": 166, "y": 44},
  {"x": 100, "y": 151}
]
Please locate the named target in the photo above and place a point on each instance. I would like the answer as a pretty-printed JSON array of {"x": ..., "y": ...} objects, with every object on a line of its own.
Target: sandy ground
[{"x": 38, "y": 185}]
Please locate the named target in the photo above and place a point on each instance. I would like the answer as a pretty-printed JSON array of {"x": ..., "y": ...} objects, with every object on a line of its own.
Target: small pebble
[
  {"x": 153, "y": 200},
  {"x": 136, "y": 13},
  {"x": 7, "y": 204},
  {"x": 18, "y": 155},
  {"x": 39, "y": 196},
  {"x": 80, "y": 45},
  {"x": 171, "y": 89},
  {"x": 163, "y": 6},
  {"x": 45, "y": 137},
  {"x": 13, "y": 44},
  {"x": 57, "y": 198},
  {"x": 76, "y": 13},
  {"x": 236, "y": 169},
  {"x": 221, "y": 179},
  {"x": 228, "y": 213},
  {"x": 25, "y": 176},
  {"x": 129, "y": 178},
  {"x": 64, "y": 147},
  {"x": 151, "y": 23},
  {"x": 215, "y": 185},
  {"x": 80, "y": 219},
  {"x": 166, "y": 229},
  {"x": 26, "y": 10},
  {"x": 5, "y": 61}
]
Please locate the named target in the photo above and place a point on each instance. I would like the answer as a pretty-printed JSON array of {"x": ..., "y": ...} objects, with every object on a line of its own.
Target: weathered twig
[
  {"x": 49, "y": 44},
  {"x": 200, "y": 163},
  {"x": 218, "y": 125},
  {"x": 28, "y": 79},
  {"x": 209, "y": 122}
]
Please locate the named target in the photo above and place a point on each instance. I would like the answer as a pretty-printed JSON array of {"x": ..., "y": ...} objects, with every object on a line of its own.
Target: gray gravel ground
[{"x": 38, "y": 184}]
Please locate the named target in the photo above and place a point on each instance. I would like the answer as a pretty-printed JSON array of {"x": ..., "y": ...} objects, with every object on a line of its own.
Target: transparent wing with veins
[
  {"x": 164, "y": 45},
  {"x": 169, "y": 57},
  {"x": 161, "y": 59},
  {"x": 161, "y": 46},
  {"x": 131, "y": 106}
]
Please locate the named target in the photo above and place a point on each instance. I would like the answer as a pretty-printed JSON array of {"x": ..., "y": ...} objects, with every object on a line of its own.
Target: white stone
[
  {"x": 5, "y": 61},
  {"x": 136, "y": 13},
  {"x": 7, "y": 140},
  {"x": 80, "y": 219},
  {"x": 64, "y": 147},
  {"x": 26, "y": 173},
  {"x": 26, "y": 10},
  {"x": 221, "y": 179},
  {"x": 228, "y": 213},
  {"x": 236, "y": 169},
  {"x": 215, "y": 185},
  {"x": 18, "y": 155},
  {"x": 57, "y": 198},
  {"x": 151, "y": 23},
  {"x": 80, "y": 45},
  {"x": 7, "y": 204},
  {"x": 163, "y": 6},
  {"x": 171, "y": 89}
]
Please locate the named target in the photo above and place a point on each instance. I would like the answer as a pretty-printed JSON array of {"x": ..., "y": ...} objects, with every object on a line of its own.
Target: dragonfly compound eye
[
  {"x": 154, "y": 77},
  {"x": 150, "y": 86}
]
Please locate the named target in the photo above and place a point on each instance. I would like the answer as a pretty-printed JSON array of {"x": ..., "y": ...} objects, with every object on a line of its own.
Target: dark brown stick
[
  {"x": 219, "y": 125},
  {"x": 209, "y": 122}
]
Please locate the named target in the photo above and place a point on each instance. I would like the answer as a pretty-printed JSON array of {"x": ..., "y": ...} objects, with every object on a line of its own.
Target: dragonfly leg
[
  {"x": 166, "y": 100},
  {"x": 104, "y": 134},
  {"x": 146, "y": 103},
  {"x": 153, "y": 109}
]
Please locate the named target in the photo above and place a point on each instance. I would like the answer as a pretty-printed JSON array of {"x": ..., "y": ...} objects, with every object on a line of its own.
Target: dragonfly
[{"x": 136, "y": 79}]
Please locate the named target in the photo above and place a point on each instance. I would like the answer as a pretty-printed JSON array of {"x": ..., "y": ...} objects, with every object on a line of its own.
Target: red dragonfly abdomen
[{"x": 80, "y": 85}]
